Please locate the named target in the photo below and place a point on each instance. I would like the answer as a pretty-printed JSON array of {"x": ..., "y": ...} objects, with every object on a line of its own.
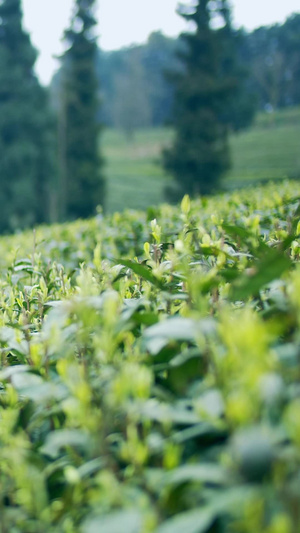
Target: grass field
[
  {"x": 269, "y": 150},
  {"x": 134, "y": 174}
]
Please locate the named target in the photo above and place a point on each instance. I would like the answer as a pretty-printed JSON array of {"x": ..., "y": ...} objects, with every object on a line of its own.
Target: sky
[{"x": 124, "y": 22}]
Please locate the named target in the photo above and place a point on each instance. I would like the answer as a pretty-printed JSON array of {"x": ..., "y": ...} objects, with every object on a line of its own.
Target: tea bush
[{"x": 150, "y": 370}]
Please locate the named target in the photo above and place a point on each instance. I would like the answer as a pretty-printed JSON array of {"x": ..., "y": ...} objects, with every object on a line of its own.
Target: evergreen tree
[
  {"x": 241, "y": 102},
  {"x": 200, "y": 153},
  {"x": 26, "y": 133},
  {"x": 81, "y": 165}
]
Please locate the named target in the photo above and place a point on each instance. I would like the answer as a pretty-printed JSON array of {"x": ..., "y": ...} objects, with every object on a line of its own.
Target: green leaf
[
  {"x": 195, "y": 521},
  {"x": 53, "y": 303},
  {"x": 231, "y": 500},
  {"x": 12, "y": 341},
  {"x": 118, "y": 522},
  {"x": 90, "y": 468},
  {"x": 203, "y": 430},
  {"x": 186, "y": 204},
  {"x": 179, "y": 377},
  {"x": 26, "y": 380},
  {"x": 269, "y": 268},
  {"x": 253, "y": 452},
  {"x": 210, "y": 473},
  {"x": 175, "y": 329},
  {"x": 9, "y": 372},
  {"x": 162, "y": 412},
  {"x": 33, "y": 386},
  {"x": 143, "y": 272},
  {"x": 145, "y": 319},
  {"x": 59, "y": 439},
  {"x": 237, "y": 231}
]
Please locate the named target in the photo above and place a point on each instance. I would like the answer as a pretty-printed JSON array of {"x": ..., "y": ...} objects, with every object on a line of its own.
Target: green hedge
[{"x": 150, "y": 376}]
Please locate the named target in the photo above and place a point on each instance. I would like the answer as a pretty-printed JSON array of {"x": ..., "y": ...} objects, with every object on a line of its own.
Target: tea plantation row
[{"x": 150, "y": 370}]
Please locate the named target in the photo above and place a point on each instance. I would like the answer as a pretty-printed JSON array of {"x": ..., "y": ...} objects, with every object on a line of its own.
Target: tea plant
[{"x": 150, "y": 374}]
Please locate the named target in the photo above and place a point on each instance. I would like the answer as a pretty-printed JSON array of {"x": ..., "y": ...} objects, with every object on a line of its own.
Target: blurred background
[{"x": 88, "y": 117}]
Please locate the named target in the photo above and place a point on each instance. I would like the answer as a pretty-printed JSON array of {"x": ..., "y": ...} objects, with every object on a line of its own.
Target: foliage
[
  {"x": 27, "y": 145},
  {"x": 266, "y": 62},
  {"x": 138, "y": 69},
  {"x": 274, "y": 60},
  {"x": 242, "y": 102},
  {"x": 150, "y": 370},
  {"x": 82, "y": 182}
]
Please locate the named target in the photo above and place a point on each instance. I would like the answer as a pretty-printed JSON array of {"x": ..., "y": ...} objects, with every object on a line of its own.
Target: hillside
[
  {"x": 149, "y": 374},
  {"x": 269, "y": 150}
]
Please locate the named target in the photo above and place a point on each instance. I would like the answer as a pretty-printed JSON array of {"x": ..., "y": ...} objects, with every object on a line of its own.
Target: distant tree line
[
  {"x": 273, "y": 56},
  {"x": 136, "y": 93}
]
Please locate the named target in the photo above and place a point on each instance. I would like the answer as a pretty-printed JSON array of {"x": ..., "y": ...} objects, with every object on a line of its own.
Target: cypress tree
[
  {"x": 81, "y": 164},
  {"x": 241, "y": 103},
  {"x": 26, "y": 133},
  {"x": 200, "y": 154}
]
